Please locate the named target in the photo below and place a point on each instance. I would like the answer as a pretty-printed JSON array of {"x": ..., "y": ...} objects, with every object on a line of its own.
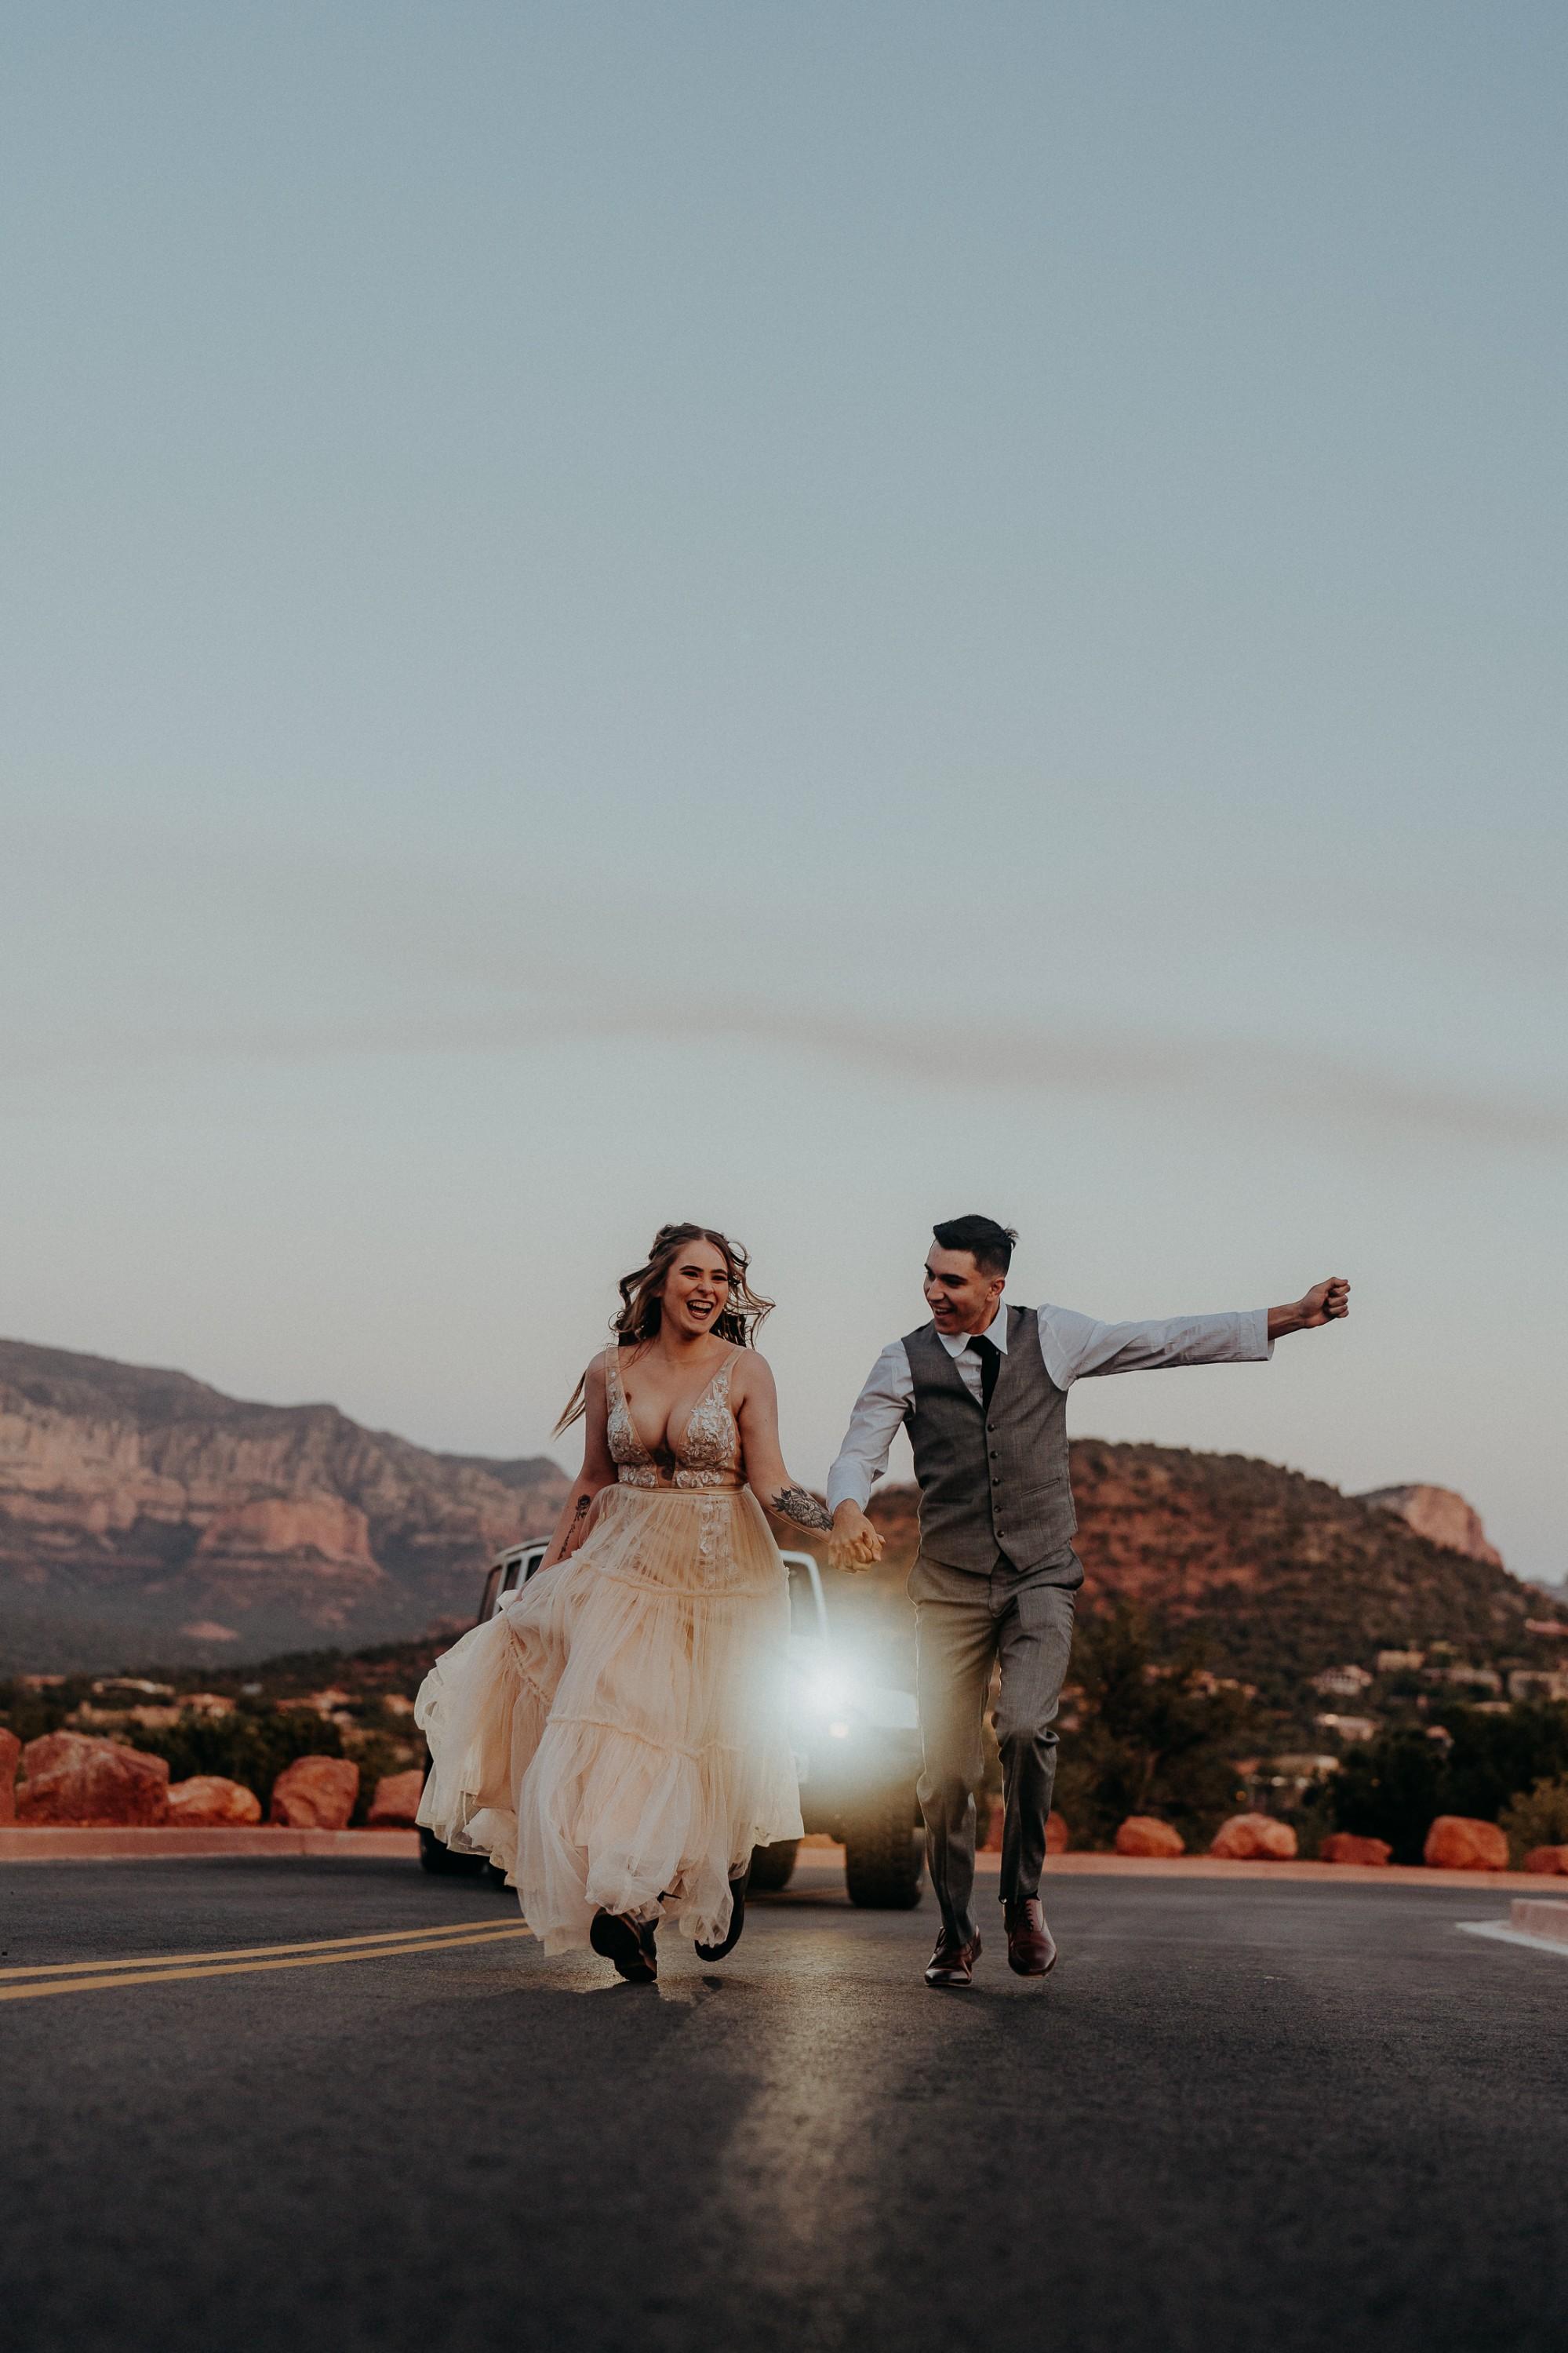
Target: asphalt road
[{"x": 1240, "y": 2116}]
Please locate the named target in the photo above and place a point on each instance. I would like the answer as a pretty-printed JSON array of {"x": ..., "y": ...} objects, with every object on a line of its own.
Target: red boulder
[
  {"x": 10, "y": 1750},
  {"x": 315, "y": 1793},
  {"x": 1551, "y": 1862},
  {"x": 1142, "y": 1834},
  {"x": 1254, "y": 1838},
  {"x": 1058, "y": 1838},
  {"x": 73, "y": 1777},
  {"x": 397, "y": 1800},
  {"x": 1455, "y": 1842},
  {"x": 1344, "y": 1846},
  {"x": 207, "y": 1802}
]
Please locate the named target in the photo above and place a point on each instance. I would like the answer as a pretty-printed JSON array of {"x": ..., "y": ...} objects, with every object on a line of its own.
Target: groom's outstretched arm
[{"x": 1079, "y": 1348}]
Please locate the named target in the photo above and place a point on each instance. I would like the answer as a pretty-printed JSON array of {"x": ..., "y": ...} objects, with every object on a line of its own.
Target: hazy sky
[{"x": 810, "y": 617}]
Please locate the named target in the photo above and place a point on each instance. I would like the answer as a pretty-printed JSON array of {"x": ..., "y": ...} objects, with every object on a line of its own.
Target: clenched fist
[{"x": 1326, "y": 1303}]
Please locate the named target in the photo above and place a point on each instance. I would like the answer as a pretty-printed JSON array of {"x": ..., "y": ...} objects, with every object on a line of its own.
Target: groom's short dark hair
[{"x": 991, "y": 1243}]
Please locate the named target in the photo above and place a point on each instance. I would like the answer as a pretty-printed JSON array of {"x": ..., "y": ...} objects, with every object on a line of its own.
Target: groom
[{"x": 982, "y": 1390}]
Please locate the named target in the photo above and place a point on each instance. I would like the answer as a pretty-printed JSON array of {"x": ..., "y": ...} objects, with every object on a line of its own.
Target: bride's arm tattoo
[
  {"x": 794, "y": 1503},
  {"x": 570, "y": 1537}
]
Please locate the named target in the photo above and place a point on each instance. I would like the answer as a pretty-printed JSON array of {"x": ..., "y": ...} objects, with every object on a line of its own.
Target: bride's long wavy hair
[{"x": 643, "y": 1306}]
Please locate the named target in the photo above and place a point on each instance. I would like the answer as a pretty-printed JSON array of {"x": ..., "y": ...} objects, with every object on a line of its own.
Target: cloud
[{"x": 1247, "y": 1077}]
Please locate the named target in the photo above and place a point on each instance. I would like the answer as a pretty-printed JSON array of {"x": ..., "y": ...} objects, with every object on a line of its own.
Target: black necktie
[{"x": 990, "y": 1356}]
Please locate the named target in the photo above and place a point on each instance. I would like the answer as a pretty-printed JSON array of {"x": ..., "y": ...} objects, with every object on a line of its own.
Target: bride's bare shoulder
[{"x": 752, "y": 1376}]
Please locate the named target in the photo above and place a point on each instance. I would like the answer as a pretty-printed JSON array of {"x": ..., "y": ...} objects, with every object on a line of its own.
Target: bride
[{"x": 615, "y": 1738}]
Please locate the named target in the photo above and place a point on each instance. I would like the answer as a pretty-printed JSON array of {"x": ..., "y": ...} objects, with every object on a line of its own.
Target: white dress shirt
[{"x": 1074, "y": 1347}]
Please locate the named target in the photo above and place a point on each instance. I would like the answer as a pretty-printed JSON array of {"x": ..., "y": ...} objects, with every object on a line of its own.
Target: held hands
[
  {"x": 854, "y": 1544},
  {"x": 1326, "y": 1303}
]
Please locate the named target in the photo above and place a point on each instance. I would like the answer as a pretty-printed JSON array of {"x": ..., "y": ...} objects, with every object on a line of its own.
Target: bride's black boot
[
  {"x": 737, "y": 1888},
  {"x": 633, "y": 1950}
]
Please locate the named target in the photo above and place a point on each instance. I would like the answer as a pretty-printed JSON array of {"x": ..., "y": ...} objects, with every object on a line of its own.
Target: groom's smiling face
[{"x": 961, "y": 1298}]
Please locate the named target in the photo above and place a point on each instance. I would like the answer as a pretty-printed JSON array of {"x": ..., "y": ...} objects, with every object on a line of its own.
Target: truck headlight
[{"x": 832, "y": 1693}]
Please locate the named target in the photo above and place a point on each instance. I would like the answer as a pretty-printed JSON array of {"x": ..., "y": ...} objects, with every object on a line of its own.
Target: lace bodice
[{"x": 707, "y": 1455}]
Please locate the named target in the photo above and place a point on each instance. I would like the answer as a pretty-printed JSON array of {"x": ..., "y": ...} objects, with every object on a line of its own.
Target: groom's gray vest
[{"x": 989, "y": 1482}]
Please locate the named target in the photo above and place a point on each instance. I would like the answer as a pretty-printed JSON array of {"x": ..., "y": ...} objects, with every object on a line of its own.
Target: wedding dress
[{"x": 615, "y": 1738}]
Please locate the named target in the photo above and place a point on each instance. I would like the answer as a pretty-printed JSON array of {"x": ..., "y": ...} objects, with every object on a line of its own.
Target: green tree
[
  {"x": 1392, "y": 1787},
  {"x": 1539, "y": 1818},
  {"x": 1150, "y": 1740}
]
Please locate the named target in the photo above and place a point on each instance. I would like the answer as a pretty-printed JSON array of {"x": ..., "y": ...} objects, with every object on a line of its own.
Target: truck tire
[
  {"x": 885, "y": 1854},
  {"x": 772, "y": 1865}
]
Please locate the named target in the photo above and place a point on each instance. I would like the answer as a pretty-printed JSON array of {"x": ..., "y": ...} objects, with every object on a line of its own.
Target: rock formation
[
  {"x": 1142, "y": 1834},
  {"x": 1550, "y": 1861},
  {"x": 315, "y": 1793},
  {"x": 143, "y": 1514},
  {"x": 1441, "y": 1517},
  {"x": 1345, "y": 1846},
  {"x": 1254, "y": 1838},
  {"x": 69, "y": 1777},
  {"x": 1455, "y": 1842},
  {"x": 397, "y": 1799},
  {"x": 10, "y": 1754},
  {"x": 208, "y": 1801}
]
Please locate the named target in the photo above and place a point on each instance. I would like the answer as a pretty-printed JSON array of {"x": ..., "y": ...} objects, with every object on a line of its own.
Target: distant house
[
  {"x": 1341, "y": 1682},
  {"x": 1349, "y": 1728},
  {"x": 1538, "y": 1682},
  {"x": 328, "y": 1703},
  {"x": 1287, "y": 1779},
  {"x": 1396, "y": 1663},
  {"x": 1483, "y": 1679},
  {"x": 1206, "y": 1683}
]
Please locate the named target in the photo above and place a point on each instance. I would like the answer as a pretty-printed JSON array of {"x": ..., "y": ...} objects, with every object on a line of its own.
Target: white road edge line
[{"x": 1504, "y": 1935}]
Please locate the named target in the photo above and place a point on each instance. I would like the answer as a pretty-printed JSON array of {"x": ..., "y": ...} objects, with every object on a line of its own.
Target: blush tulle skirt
[{"x": 616, "y": 1737}]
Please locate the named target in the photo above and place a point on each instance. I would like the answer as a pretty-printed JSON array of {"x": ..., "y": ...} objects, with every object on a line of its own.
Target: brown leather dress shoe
[
  {"x": 1031, "y": 1947},
  {"x": 953, "y": 1964}
]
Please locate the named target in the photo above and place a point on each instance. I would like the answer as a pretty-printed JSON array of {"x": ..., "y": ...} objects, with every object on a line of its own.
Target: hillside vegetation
[{"x": 1275, "y": 1576}]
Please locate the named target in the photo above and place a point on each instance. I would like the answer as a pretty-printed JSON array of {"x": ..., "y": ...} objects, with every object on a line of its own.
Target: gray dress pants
[{"x": 964, "y": 1621}]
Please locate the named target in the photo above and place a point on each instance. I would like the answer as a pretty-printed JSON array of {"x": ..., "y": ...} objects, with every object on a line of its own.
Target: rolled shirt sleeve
[
  {"x": 878, "y": 1411},
  {"x": 1077, "y": 1348}
]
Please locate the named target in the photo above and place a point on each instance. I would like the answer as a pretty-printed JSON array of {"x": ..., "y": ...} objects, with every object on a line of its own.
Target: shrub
[
  {"x": 377, "y": 1754},
  {"x": 251, "y": 1745},
  {"x": 1538, "y": 1819},
  {"x": 1149, "y": 1741},
  {"x": 1390, "y": 1787},
  {"x": 1393, "y": 1788}
]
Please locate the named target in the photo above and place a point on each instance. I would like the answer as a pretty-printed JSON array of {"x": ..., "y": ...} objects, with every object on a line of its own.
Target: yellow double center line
[{"x": 165, "y": 1968}]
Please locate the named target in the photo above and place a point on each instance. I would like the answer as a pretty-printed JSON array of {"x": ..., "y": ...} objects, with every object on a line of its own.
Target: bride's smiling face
[{"x": 696, "y": 1290}]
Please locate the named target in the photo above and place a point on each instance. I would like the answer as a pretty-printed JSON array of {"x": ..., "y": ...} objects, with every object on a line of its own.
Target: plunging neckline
[{"x": 670, "y": 1455}]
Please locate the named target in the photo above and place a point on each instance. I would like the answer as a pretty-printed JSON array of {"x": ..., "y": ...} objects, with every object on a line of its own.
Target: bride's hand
[{"x": 853, "y": 1543}]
